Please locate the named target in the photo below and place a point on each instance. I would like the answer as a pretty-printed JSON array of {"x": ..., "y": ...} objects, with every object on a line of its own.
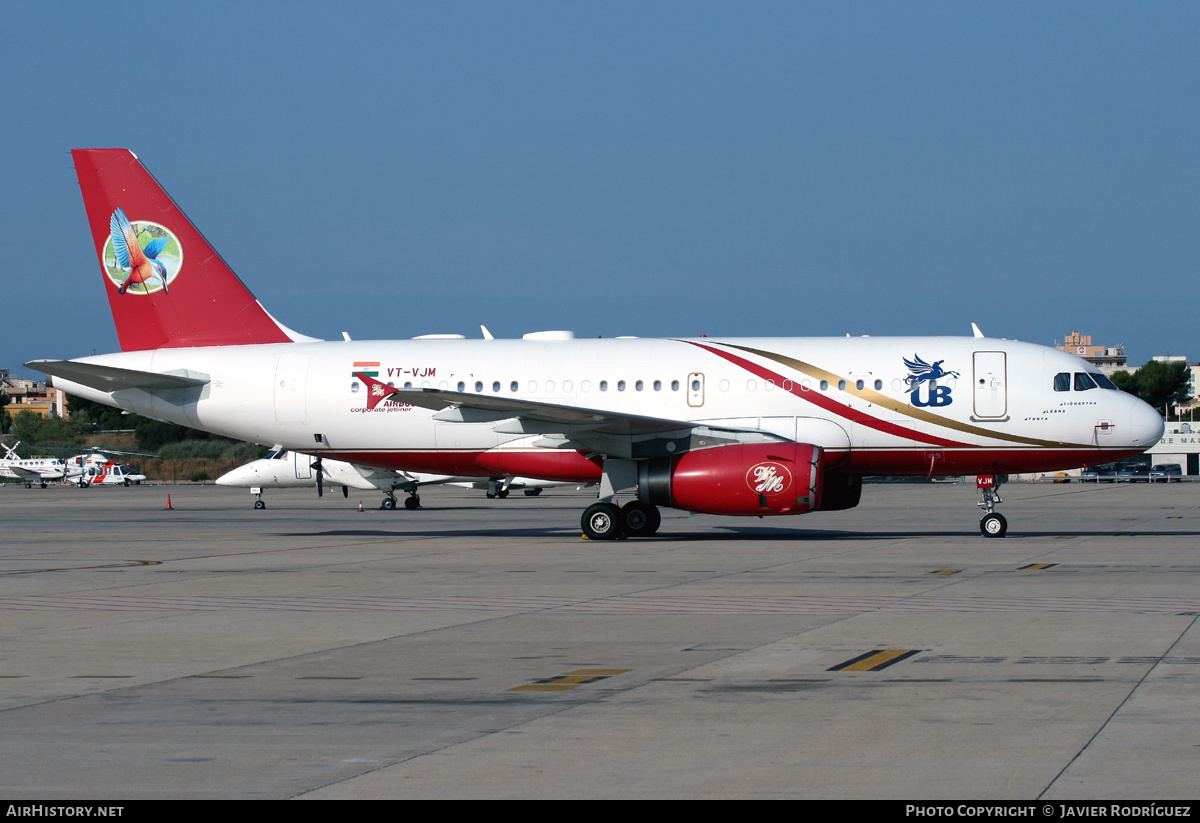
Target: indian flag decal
[{"x": 365, "y": 368}]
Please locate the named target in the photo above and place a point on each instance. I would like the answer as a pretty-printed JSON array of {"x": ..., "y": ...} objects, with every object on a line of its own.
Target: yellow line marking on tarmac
[
  {"x": 875, "y": 660},
  {"x": 1039, "y": 566},
  {"x": 946, "y": 571},
  {"x": 570, "y": 680}
]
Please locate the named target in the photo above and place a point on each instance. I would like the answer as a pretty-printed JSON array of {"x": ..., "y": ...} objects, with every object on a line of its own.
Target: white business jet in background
[{"x": 748, "y": 426}]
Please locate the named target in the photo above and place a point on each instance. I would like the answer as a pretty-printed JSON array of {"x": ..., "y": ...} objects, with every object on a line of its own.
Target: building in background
[
  {"x": 1108, "y": 358},
  {"x": 32, "y": 395}
]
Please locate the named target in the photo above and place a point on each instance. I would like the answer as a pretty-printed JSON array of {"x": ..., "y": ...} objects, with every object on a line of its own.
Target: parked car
[
  {"x": 1137, "y": 473},
  {"x": 1166, "y": 473},
  {"x": 1098, "y": 474}
]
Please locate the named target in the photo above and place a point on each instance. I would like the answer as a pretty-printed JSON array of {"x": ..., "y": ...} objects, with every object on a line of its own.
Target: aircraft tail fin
[{"x": 167, "y": 287}]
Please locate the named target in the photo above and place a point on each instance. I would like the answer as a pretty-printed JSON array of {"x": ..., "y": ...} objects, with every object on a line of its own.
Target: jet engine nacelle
[{"x": 749, "y": 479}]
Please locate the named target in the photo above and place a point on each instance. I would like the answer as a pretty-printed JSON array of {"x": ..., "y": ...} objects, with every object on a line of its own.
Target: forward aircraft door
[{"x": 991, "y": 385}]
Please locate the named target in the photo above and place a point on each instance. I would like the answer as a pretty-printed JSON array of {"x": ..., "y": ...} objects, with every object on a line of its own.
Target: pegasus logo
[{"x": 920, "y": 373}]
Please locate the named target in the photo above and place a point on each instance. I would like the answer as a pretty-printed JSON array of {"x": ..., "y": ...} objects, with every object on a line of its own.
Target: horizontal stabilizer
[{"x": 110, "y": 379}]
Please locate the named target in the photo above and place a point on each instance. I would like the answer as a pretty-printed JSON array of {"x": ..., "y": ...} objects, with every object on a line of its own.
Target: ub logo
[
  {"x": 924, "y": 374},
  {"x": 768, "y": 478}
]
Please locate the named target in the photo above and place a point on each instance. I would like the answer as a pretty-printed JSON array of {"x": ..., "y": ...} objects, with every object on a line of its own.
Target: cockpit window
[
  {"x": 1084, "y": 381},
  {"x": 1062, "y": 381},
  {"x": 1104, "y": 382}
]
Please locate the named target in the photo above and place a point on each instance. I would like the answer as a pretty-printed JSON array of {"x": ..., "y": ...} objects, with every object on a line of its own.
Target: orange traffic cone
[
  {"x": 169, "y": 506},
  {"x": 360, "y": 508}
]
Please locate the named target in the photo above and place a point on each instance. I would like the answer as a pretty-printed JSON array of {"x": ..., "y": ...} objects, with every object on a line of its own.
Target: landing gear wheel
[
  {"x": 126, "y": 483},
  {"x": 640, "y": 519},
  {"x": 413, "y": 502},
  {"x": 388, "y": 503},
  {"x": 993, "y": 525},
  {"x": 503, "y": 493},
  {"x": 533, "y": 492},
  {"x": 601, "y": 521},
  {"x": 258, "y": 504}
]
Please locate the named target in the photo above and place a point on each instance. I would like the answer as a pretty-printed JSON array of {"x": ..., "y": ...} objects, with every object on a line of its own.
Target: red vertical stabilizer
[{"x": 167, "y": 287}]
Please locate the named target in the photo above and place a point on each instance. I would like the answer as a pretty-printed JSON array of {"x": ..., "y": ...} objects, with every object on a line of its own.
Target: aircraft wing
[
  {"x": 616, "y": 434},
  {"x": 531, "y": 417},
  {"x": 110, "y": 378},
  {"x": 24, "y": 474}
]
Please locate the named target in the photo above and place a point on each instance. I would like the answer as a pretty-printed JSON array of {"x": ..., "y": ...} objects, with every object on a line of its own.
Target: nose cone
[
  {"x": 242, "y": 477},
  {"x": 1146, "y": 425}
]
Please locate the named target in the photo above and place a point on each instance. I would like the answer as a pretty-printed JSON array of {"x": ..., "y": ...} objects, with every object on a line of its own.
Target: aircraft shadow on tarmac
[{"x": 719, "y": 533}]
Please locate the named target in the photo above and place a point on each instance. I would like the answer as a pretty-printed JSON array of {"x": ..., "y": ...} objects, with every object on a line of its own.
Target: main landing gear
[
  {"x": 993, "y": 523},
  {"x": 413, "y": 501},
  {"x": 604, "y": 521}
]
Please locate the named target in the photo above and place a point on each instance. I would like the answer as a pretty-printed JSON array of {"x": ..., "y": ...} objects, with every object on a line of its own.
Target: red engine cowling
[{"x": 749, "y": 479}]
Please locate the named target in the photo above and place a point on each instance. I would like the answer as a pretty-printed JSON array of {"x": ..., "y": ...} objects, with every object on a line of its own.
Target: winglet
[{"x": 976, "y": 330}]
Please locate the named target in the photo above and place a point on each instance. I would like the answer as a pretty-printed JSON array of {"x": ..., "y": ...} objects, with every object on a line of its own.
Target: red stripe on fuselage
[{"x": 831, "y": 405}]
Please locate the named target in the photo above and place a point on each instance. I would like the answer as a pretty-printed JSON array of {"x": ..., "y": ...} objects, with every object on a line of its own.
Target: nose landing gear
[{"x": 993, "y": 523}]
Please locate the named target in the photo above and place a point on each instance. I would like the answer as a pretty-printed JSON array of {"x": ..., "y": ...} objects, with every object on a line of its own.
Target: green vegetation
[{"x": 181, "y": 451}]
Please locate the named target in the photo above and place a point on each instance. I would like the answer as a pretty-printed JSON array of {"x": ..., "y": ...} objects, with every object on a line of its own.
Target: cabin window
[
  {"x": 638, "y": 385},
  {"x": 841, "y": 385},
  {"x": 860, "y": 385},
  {"x": 769, "y": 385},
  {"x": 658, "y": 385},
  {"x": 1084, "y": 381},
  {"x": 824, "y": 385},
  {"x": 603, "y": 385},
  {"x": 567, "y": 385},
  {"x": 751, "y": 385},
  {"x": 878, "y": 385},
  {"x": 478, "y": 385},
  {"x": 549, "y": 387},
  {"x": 1062, "y": 381},
  {"x": 585, "y": 385},
  {"x": 462, "y": 386},
  {"x": 354, "y": 386},
  {"x": 695, "y": 385},
  {"x": 495, "y": 385},
  {"x": 675, "y": 385},
  {"x": 620, "y": 385},
  {"x": 532, "y": 386},
  {"x": 787, "y": 385},
  {"x": 512, "y": 386},
  {"x": 408, "y": 385}
]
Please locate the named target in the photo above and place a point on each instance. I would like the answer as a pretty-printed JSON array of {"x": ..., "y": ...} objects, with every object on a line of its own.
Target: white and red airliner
[{"x": 745, "y": 426}]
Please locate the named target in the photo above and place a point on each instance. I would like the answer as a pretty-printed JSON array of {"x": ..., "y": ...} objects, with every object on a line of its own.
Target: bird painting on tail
[{"x": 142, "y": 262}]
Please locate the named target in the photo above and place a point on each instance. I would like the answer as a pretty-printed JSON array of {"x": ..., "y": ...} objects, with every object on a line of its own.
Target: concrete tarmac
[{"x": 481, "y": 648}]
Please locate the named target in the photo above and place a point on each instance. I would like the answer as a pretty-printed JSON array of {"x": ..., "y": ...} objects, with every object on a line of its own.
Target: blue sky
[{"x": 789, "y": 169}]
